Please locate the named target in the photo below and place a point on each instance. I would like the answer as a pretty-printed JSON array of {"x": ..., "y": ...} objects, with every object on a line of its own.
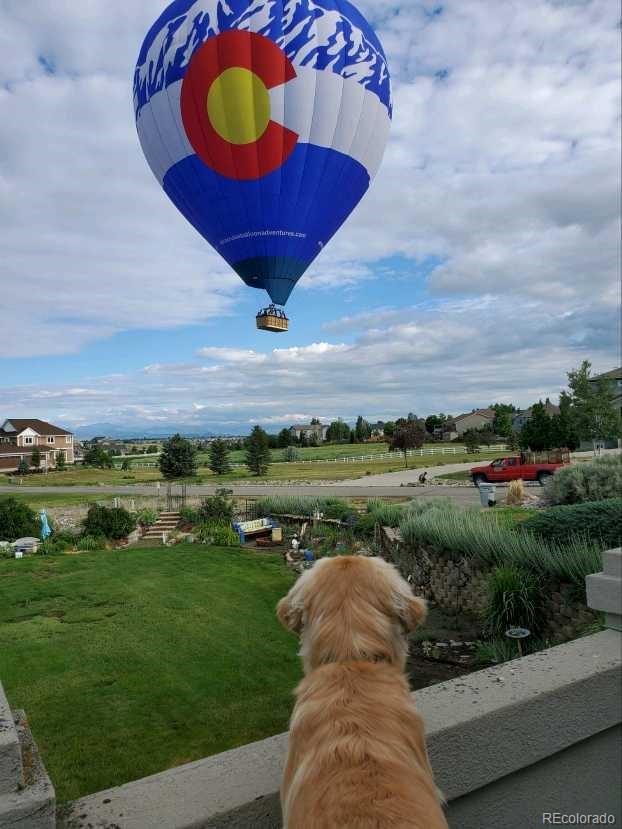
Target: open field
[
  {"x": 318, "y": 471},
  {"x": 131, "y": 662}
]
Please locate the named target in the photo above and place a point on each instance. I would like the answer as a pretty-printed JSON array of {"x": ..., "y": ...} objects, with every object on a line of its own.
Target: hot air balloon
[{"x": 265, "y": 122}]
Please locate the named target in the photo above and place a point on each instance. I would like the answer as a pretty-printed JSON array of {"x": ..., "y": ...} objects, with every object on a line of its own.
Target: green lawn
[
  {"x": 278, "y": 471},
  {"x": 131, "y": 662},
  {"x": 57, "y": 499},
  {"x": 465, "y": 475}
]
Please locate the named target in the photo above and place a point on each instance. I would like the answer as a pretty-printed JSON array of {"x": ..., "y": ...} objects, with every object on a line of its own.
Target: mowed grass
[
  {"x": 277, "y": 471},
  {"x": 85, "y": 476},
  {"x": 57, "y": 499},
  {"x": 135, "y": 661}
]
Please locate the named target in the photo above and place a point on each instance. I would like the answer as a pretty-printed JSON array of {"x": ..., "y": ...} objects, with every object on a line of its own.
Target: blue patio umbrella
[{"x": 46, "y": 532}]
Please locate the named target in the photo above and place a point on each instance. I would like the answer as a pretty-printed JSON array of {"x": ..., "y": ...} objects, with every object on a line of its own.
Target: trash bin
[{"x": 488, "y": 494}]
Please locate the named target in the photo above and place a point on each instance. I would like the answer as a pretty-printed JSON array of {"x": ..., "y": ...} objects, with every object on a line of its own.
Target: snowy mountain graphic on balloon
[{"x": 313, "y": 33}]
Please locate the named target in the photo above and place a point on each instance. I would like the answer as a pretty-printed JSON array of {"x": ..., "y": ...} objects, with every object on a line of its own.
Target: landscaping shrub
[
  {"x": 600, "y": 521},
  {"x": 470, "y": 533},
  {"x": 189, "y": 515},
  {"x": 216, "y": 508},
  {"x": 593, "y": 481},
  {"x": 89, "y": 543},
  {"x": 514, "y": 600},
  {"x": 111, "y": 522},
  {"x": 218, "y": 533},
  {"x": 54, "y": 545},
  {"x": 292, "y": 454},
  {"x": 17, "y": 520},
  {"x": 147, "y": 517}
]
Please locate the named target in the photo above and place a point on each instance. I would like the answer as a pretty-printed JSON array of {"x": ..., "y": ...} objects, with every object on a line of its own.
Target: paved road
[
  {"x": 462, "y": 495},
  {"x": 406, "y": 476}
]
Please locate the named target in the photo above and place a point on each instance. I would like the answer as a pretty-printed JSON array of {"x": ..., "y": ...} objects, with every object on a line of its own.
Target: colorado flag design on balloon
[{"x": 265, "y": 122}]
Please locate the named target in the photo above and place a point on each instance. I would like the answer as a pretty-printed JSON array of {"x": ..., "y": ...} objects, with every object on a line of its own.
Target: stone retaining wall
[{"x": 462, "y": 585}]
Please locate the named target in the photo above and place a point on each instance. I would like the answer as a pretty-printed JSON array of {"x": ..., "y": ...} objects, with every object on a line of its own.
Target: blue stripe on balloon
[
  {"x": 169, "y": 62},
  {"x": 251, "y": 220}
]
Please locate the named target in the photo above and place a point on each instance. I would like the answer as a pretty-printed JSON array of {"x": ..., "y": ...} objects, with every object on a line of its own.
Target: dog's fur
[{"x": 357, "y": 757}]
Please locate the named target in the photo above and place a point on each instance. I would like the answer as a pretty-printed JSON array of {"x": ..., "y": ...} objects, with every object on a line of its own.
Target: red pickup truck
[{"x": 503, "y": 470}]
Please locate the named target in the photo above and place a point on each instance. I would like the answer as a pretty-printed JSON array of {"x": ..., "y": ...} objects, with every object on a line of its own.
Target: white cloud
[{"x": 503, "y": 165}]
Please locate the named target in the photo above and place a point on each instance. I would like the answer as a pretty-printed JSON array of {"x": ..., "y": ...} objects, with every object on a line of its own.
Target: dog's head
[{"x": 351, "y": 608}]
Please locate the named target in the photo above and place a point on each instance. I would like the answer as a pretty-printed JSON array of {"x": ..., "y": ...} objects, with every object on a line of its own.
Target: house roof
[
  {"x": 489, "y": 414},
  {"x": 41, "y": 427},
  {"x": 614, "y": 374},
  {"x": 549, "y": 408},
  {"x": 12, "y": 449}
]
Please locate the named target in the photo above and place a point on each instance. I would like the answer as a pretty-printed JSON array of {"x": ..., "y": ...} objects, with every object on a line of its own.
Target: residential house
[
  {"x": 313, "y": 432},
  {"x": 477, "y": 419},
  {"x": 521, "y": 417},
  {"x": 377, "y": 429},
  {"x": 19, "y": 438},
  {"x": 615, "y": 380}
]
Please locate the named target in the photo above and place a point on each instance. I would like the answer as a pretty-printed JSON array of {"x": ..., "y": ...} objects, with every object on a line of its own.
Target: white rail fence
[{"x": 378, "y": 456}]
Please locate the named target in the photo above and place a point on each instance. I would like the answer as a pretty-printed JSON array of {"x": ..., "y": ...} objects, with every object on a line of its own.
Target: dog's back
[{"x": 357, "y": 755}]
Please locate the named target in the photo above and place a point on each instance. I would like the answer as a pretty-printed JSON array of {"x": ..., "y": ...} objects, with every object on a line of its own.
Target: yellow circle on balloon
[{"x": 238, "y": 105}]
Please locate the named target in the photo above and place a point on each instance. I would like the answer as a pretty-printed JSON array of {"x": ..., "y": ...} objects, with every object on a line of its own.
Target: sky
[{"x": 482, "y": 265}]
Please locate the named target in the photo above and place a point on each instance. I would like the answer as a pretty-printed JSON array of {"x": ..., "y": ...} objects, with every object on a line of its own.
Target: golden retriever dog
[{"x": 357, "y": 757}]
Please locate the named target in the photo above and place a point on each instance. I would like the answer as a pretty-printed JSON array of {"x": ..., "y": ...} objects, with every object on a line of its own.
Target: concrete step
[
  {"x": 27, "y": 797},
  {"x": 10, "y": 754}
]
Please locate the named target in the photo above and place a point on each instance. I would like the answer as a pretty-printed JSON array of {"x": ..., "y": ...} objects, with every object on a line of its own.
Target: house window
[
  {"x": 68, "y": 439},
  {"x": 28, "y": 441},
  {"x": 50, "y": 440}
]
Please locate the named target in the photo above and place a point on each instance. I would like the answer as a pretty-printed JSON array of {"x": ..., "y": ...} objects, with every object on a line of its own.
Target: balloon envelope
[{"x": 264, "y": 121}]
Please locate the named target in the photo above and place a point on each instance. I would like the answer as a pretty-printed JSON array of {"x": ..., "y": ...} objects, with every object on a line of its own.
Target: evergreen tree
[
  {"x": 178, "y": 458},
  {"x": 537, "y": 433},
  {"x": 219, "y": 457},
  {"x": 61, "y": 463},
  {"x": 258, "y": 452},
  {"x": 362, "y": 430},
  {"x": 23, "y": 467},
  {"x": 35, "y": 459},
  {"x": 471, "y": 440},
  {"x": 565, "y": 434},
  {"x": 284, "y": 438},
  {"x": 408, "y": 434}
]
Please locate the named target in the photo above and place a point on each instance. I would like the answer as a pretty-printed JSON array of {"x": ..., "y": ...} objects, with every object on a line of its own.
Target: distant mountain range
[{"x": 137, "y": 431}]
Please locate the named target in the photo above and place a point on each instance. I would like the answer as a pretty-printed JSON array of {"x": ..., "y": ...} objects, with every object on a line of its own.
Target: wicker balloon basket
[{"x": 272, "y": 319}]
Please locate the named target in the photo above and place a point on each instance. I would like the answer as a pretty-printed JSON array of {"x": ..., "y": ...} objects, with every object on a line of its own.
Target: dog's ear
[
  {"x": 290, "y": 609},
  {"x": 411, "y": 610},
  {"x": 289, "y": 615}
]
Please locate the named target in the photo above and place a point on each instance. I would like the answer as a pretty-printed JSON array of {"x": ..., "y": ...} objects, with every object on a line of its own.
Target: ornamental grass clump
[
  {"x": 303, "y": 506},
  {"x": 469, "y": 533},
  {"x": 514, "y": 600},
  {"x": 385, "y": 513},
  {"x": 516, "y": 494},
  {"x": 582, "y": 482}
]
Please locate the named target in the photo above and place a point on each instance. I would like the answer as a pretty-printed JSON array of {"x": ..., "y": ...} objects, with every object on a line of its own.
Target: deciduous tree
[{"x": 408, "y": 435}]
